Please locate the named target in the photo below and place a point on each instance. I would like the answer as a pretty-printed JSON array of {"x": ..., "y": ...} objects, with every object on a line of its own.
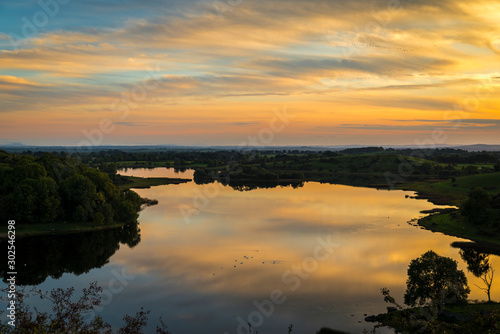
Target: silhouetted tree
[
  {"x": 478, "y": 264},
  {"x": 68, "y": 314},
  {"x": 433, "y": 277}
]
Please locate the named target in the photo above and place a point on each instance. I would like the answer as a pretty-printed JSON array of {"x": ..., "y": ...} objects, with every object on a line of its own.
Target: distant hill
[
  {"x": 17, "y": 147},
  {"x": 480, "y": 147}
]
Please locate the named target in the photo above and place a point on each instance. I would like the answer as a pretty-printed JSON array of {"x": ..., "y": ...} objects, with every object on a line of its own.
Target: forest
[{"x": 47, "y": 188}]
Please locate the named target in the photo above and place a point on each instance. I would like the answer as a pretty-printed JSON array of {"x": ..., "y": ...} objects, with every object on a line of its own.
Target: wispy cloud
[
  {"x": 337, "y": 62},
  {"x": 454, "y": 125},
  {"x": 129, "y": 124},
  {"x": 244, "y": 123}
]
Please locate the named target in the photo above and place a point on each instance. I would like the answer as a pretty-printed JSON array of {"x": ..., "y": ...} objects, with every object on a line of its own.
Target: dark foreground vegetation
[
  {"x": 436, "y": 297},
  {"x": 70, "y": 314}
]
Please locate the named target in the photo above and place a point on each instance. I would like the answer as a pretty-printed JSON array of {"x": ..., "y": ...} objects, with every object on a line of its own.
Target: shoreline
[
  {"x": 437, "y": 192},
  {"x": 61, "y": 228},
  {"x": 33, "y": 230}
]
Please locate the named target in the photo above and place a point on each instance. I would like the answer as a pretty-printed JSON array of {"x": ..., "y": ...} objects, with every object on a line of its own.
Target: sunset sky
[{"x": 185, "y": 72}]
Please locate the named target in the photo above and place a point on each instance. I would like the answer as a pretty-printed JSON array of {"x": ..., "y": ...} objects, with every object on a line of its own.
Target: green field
[
  {"x": 476, "y": 165},
  {"x": 454, "y": 192},
  {"x": 457, "y": 226}
]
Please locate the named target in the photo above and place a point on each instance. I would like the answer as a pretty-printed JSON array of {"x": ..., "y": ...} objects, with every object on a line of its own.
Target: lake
[{"x": 211, "y": 258}]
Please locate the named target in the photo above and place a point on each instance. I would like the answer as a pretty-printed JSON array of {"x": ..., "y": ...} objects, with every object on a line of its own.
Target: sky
[{"x": 249, "y": 72}]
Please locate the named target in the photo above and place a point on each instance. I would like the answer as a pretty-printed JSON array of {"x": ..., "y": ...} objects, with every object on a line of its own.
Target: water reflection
[
  {"x": 242, "y": 246},
  {"x": 210, "y": 272},
  {"x": 244, "y": 182},
  {"x": 40, "y": 257},
  {"x": 183, "y": 173},
  {"x": 248, "y": 185}
]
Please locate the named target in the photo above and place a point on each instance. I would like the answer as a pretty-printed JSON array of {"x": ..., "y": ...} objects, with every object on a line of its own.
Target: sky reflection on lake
[
  {"x": 243, "y": 245},
  {"x": 322, "y": 251}
]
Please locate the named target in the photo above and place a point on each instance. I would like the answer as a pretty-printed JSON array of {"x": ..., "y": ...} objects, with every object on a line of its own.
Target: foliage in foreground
[
  {"x": 440, "y": 290},
  {"x": 69, "y": 316},
  {"x": 437, "y": 317}
]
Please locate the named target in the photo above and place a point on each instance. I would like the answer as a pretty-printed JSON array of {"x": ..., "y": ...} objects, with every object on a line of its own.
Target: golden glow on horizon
[{"x": 352, "y": 73}]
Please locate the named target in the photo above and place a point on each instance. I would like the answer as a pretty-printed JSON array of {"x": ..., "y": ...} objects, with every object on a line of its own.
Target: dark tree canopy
[
  {"x": 477, "y": 263},
  {"x": 49, "y": 188},
  {"x": 475, "y": 207},
  {"x": 432, "y": 277}
]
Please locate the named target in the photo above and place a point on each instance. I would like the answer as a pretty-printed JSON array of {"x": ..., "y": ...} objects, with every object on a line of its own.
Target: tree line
[
  {"x": 49, "y": 188},
  {"x": 211, "y": 156}
]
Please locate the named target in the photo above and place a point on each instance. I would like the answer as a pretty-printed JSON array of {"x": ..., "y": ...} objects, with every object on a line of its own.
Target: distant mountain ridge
[{"x": 18, "y": 147}]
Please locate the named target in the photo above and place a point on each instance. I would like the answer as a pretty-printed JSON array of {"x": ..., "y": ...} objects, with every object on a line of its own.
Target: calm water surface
[{"x": 321, "y": 252}]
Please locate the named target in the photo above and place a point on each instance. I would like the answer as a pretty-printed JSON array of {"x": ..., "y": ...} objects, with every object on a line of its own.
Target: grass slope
[{"x": 454, "y": 193}]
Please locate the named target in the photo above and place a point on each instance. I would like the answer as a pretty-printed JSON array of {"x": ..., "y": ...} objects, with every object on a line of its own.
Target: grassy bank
[
  {"x": 454, "y": 192},
  {"x": 455, "y": 225},
  {"x": 29, "y": 230}
]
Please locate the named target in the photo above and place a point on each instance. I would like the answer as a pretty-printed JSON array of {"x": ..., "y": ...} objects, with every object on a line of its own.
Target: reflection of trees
[
  {"x": 43, "y": 256},
  {"x": 248, "y": 185},
  {"x": 180, "y": 169},
  {"x": 478, "y": 264}
]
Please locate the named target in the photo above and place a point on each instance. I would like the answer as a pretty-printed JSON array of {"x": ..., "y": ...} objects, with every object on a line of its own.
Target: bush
[{"x": 68, "y": 315}]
